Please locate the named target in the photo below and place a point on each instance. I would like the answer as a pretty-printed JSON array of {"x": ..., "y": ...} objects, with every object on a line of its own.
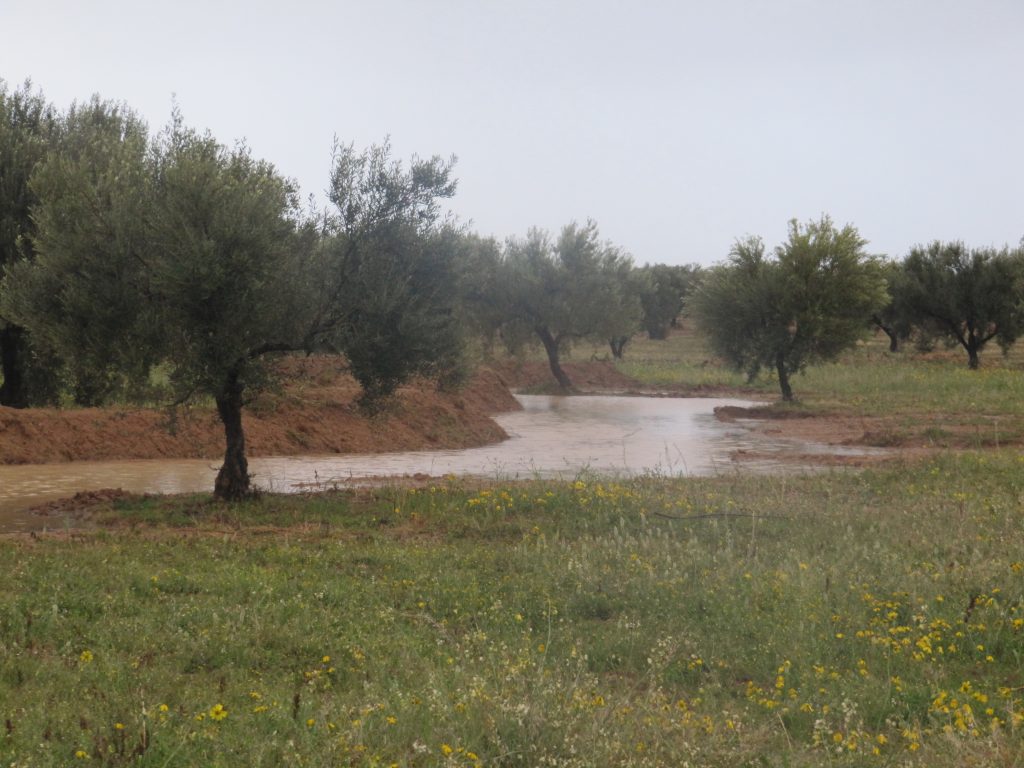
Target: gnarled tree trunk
[
  {"x": 972, "y": 358},
  {"x": 972, "y": 344},
  {"x": 551, "y": 347},
  {"x": 233, "y": 478},
  {"x": 894, "y": 339},
  {"x": 618, "y": 345},
  {"x": 780, "y": 368}
]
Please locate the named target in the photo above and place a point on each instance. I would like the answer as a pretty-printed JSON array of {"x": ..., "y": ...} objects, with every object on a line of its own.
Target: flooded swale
[{"x": 552, "y": 437}]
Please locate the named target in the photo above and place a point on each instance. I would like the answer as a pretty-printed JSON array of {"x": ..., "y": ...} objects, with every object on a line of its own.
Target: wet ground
[{"x": 552, "y": 437}]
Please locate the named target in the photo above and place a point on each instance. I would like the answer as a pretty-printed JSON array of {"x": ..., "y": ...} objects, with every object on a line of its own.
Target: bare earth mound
[{"x": 314, "y": 413}]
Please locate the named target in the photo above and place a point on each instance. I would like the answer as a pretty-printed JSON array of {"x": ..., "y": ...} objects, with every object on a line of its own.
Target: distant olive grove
[{"x": 126, "y": 251}]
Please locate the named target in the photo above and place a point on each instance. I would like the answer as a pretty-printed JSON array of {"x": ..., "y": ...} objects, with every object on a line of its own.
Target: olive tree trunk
[
  {"x": 780, "y": 368},
  {"x": 618, "y": 345},
  {"x": 232, "y": 481},
  {"x": 894, "y": 339},
  {"x": 888, "y": 330},
  {"x": 551, "y": 347},
  {"x": 972, "y": 358}
]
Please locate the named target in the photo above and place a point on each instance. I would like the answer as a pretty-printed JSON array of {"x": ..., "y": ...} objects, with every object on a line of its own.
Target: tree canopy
[
  {"x": 968, "y": 296},
  {"x": 894, "y": 318},
  {"x": 185, "y": 252},
  {"x": 664, "y": 288},
  {"x": 28, "y": 129},
  {"x": 81, "y": 296},
  {"x": 392, "y": 269},
  {"x": 806, "y": 303}
]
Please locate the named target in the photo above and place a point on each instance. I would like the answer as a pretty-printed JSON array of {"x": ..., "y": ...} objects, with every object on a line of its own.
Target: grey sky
[{"x": 677, "y": 126}]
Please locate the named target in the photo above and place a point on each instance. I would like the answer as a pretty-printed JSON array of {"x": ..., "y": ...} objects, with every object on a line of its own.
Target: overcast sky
[{"x": 677, "y": 126}]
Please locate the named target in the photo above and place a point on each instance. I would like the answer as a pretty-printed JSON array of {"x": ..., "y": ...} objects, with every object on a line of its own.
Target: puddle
[{"x": 552, "y": 437}]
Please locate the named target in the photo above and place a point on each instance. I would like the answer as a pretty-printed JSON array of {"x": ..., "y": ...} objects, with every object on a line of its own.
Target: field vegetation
[
  {"x": 816, "y": 618},
  {"x": 871, "y": 618}
]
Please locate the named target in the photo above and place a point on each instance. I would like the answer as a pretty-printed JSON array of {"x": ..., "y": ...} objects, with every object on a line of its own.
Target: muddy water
[{"x": 551, "y": 437}]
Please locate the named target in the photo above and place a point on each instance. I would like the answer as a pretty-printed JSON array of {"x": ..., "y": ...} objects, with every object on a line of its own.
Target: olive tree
[
  {"x": 180, "y": 250},
  {"x": 226, "y": 276},
  {"x": 626, "y": 305},
  {"x": 83, "y": 296},
  {"x": 478, "y": 272},
  {"x": 968, "y": 296},
  {"x": 28, "y": 127},
  {"x": 391, "y": 288},
  {"x": 894, "y": 317},
  {"x": 805, "y": 303},
  {"x": 664, "y": 288},
  {"x": 563, "y": 292}
]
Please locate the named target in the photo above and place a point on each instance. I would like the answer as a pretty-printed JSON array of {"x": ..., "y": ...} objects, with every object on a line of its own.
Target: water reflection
[{"x": 554, "y": 437}]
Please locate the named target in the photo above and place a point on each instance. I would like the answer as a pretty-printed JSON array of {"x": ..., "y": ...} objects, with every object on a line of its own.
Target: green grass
[
  {"x": 790, "y": 621},
  {"x": 838, "y": 618},
  {"x": 682, "y": 360}
]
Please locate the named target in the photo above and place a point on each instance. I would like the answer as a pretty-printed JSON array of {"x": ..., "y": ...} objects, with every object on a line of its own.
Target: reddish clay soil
[
  {"x": 926, "y": 436},
  {"x": 314, "y": 413},
  {"x": 816, "y": 427}
]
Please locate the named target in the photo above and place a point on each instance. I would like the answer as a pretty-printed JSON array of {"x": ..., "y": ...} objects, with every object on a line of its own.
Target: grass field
[{"x": 834, "y": 618}]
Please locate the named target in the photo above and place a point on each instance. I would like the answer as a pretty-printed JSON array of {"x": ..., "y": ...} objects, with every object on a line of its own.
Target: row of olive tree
[
  {"x": 966, "y": 297},
  {"x": 122, "y": 251},
  {"x": 101, "y": 197},
  {"x": 558, "y": 292},
  {"x": 817, "y": 294},
  {"x": 176, "y": 250}
]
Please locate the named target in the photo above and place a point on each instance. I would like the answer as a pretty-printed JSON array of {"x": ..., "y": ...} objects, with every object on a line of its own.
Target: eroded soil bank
[{"x": 314, "y": 412}]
